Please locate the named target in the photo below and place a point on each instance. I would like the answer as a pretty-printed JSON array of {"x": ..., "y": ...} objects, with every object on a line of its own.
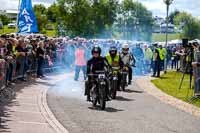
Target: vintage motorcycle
[
  {"x": 124, "y": 73},
  {"x": 114, "y": 82},
  {"x": 98, "y": 90}
]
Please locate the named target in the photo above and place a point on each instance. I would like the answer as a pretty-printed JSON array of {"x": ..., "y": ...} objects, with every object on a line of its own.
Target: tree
[
  {"x": 103, "y": 16},
  {"x": 136, "y": 21},
  {"x": 191, "y": 25},
  {"x": 52, "y": 12},
  {"x": 87, "y": 18},
  {"x": 40, "y": 13},
  {"x": 173, "y": 15},
  {"x": 4, "y": 19}
]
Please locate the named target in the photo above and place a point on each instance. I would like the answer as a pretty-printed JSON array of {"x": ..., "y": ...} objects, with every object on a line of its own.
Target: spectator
[
  {"x": 147, "y": 58},
  {"x": 80, "y": 62},
  {"x": 22, "y": 60},
  {"x": 40, "y": 56}
]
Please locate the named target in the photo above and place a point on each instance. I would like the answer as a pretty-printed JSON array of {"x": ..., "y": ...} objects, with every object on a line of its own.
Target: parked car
[{"x": 11, "y": 25}]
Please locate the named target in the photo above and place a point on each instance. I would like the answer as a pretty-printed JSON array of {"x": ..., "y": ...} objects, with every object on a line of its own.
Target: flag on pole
[{"x": 27, "y": 22}]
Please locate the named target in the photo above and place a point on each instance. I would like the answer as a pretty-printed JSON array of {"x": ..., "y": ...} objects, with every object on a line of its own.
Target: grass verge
[
  {"x": 161, "y": 37},
  {"x": 169, "y": 83},
  {"x": 6, "y": 30}
]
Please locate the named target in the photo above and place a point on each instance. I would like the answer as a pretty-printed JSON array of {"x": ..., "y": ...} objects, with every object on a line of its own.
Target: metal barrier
[
  {"x": 3, "y": 67},
  {"x": 21, "y": 66},
  {"x": 5, "y": 92}
]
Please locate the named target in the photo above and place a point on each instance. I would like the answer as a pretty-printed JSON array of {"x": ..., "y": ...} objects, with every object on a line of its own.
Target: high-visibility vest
[
  {"x": 15, "y": 51},
  {"x": 113, "y": 62},
  {"x": 162, "y": 53},
  {"x": 188, "y": 58},
  {"x": 148, "y": 54}
]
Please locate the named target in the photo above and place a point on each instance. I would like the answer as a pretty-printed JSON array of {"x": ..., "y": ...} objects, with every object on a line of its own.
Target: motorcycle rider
[
  {"x": 128, "y": 59},
  {"x": 114, "y": 60},
  {"x": 96, "y": 63}
]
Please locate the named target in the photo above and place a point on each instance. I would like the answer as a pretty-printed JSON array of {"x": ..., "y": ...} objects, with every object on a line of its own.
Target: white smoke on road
[{"x": 70, "y": 88}]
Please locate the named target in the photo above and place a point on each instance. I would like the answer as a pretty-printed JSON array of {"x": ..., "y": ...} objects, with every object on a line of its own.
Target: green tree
[
  {"x": 52, "y": 13},
  {"x": 173, "y": 15},
  {"x": 40, "y": 13},
  {"x": 87, "y": 18},
  {"x": 103, "y": 16},
  {"x": 4, "y": 19},
  {"x": 136, "y": 21},
  {"x": 191, "y": 25}
]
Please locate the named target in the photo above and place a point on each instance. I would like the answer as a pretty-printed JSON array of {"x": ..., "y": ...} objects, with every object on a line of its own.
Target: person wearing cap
[
  {"x": 156, "y": 61},
  {"x": 128, "y": 59},
  {"x": 96, "y": 63},
  {"x": 162, "y": 54}
]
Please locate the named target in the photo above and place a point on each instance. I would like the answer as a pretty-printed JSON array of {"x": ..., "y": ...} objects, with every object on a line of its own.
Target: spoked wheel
[
  {"x": 114, "y": 89},
  {"x": 93, "y": 98},
  {"x": 102, "y": 97},
  {"x": 124, "y": 84}
]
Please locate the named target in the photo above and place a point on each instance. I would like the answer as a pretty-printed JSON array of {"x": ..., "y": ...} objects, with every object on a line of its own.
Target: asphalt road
[{"x": 133, "y": 111}]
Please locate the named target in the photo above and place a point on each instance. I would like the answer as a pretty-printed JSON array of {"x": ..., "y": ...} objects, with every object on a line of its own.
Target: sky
[{"x": 156, "y": 6}]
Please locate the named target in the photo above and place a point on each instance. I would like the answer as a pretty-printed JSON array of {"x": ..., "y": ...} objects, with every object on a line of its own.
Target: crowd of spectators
[{"x": 21, "y": 54}]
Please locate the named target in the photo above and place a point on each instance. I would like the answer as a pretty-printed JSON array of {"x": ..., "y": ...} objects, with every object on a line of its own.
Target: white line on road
[{"x": 30, "y": 122}]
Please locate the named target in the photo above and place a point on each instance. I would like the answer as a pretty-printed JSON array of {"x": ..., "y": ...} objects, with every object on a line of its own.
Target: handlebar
[{"x": 96, "y": 73}]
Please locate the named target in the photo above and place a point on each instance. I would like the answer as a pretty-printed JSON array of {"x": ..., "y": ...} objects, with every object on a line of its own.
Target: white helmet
[{"x": 125, "y": 46}]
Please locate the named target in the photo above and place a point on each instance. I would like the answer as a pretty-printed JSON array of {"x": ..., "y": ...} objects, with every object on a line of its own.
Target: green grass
[
  {"x": 161, "y": 37},
  {"x": 169, "y": 83},
  {"x": 6, "y": 30},
  {"x": 157, "y": 37}
]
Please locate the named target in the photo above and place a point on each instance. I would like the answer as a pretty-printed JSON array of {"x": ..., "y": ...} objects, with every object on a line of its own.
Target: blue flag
[{"x": 27, "y": 22}]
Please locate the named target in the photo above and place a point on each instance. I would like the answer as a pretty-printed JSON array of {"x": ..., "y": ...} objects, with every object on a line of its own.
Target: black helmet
[
  {"x": 113, "y": 50},
  {"x": 96, "y": 49}
]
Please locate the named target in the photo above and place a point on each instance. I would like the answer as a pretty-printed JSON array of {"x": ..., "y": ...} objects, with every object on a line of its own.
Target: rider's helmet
[
  {"x": 96, "y": 49},
  {"x": 125, "y": 48},
  {"x": 113, "y": 51}
]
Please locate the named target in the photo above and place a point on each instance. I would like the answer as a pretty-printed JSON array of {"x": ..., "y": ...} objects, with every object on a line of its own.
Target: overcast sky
[{"x": 156, "y": 6}]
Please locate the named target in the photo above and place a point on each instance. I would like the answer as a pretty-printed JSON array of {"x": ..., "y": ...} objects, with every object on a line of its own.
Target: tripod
[{"x": 188, "y": 66}]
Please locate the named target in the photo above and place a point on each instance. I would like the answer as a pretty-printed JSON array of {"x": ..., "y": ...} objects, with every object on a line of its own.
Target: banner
[{"x": 27, "y": 22}]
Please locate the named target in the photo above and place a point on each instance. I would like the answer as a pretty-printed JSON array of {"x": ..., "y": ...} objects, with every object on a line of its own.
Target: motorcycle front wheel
[{"x": 102, "y": 96}]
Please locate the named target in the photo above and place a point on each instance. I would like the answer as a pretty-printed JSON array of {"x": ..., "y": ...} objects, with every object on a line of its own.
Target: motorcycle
[
  {"x": 124, "y": 73},
  {"x": 98, "y": 91},
  {"x": 114, "y": 82}
]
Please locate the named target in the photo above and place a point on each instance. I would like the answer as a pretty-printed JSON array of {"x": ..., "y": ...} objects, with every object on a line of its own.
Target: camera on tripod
[{"x": 185, "y": 43}]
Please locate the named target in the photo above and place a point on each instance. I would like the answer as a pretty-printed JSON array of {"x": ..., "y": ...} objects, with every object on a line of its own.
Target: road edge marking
[{"x": 47, "y": 113}]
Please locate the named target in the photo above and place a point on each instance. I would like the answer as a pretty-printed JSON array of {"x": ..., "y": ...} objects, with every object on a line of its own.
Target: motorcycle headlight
[
  {"x": 115, "y": 72},
  {"x": 101, "y": 76}
]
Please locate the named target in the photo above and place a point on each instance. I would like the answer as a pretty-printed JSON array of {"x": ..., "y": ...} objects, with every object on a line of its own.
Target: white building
[{"x": 11, "y": 14}]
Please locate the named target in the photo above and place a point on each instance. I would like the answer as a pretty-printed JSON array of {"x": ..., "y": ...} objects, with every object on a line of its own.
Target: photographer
[{"x": 196, "y": 66}]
